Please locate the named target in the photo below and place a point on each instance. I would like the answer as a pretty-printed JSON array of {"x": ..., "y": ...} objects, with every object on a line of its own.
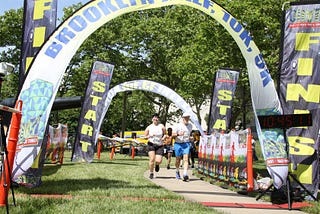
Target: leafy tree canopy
[{"x": 177, "y": 46}]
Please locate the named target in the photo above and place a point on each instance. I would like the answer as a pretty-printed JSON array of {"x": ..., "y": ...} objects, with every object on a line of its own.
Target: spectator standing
[
  {"x": 182, "y": 133},
  {"x": 155, "y": 133}
]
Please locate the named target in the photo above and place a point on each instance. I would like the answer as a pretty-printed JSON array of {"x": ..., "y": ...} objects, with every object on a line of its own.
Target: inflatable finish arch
[
  {"x": 146, "y": 85},
  {"x": 46, "y": 72}
]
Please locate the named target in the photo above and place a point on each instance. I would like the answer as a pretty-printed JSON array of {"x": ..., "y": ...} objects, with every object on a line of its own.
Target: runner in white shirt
[
  {"x": 155, "y": 134},
  {"x": 182, "y": 132}
]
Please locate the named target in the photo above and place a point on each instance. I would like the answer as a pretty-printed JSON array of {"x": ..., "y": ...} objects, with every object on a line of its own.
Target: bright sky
[{"x": 15, "y": 4}]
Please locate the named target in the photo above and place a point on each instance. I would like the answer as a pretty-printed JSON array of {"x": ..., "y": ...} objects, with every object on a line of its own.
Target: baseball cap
[{"x": 185, "y": 114}]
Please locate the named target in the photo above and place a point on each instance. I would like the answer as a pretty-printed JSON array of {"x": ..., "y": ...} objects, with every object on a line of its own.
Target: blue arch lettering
[
  {"x": 195, "y": 1},
  {"x": 235, "y": 25},
  {"x": 121, "y": 4},
  {"x": 88, "y": 13},
  {"x": 107, "y": 7},
  {"x": 207, "y": 4},
  {"x": 78, "y": 24},
  {"x": 65, "y": 35},
  {"x": 133, "y": 2},
  {"x": 147, "y": 1},
  {"x": 53, "y": 50}
]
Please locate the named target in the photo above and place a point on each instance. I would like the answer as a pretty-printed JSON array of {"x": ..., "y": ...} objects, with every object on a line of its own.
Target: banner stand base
[
  {"x": 289, "y": 187},
  {"x": 301, "y": 185},
  {"x": 278, "y": 197},
  {"x": 264, "y": 192}
]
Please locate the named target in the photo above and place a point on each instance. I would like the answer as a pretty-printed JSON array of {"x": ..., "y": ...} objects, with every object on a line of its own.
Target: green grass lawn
[
  {"x": 106, "y": 186},
  {"x": 103, "y": 186}
]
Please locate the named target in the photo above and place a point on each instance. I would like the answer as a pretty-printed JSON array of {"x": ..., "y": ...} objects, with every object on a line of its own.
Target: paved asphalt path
[{"x": 216, "y": 197}]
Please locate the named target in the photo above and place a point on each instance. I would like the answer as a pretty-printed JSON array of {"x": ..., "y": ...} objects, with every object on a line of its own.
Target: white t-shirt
[
  {"x": 155, "y": 134},
  {"x": 187, "y": 131}
]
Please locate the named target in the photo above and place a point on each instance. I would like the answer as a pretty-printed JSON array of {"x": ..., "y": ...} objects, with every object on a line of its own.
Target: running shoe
[
  {"x": 185, "y": 178},
  {"x": 178, "y": 175},
  {"x": 151, "y": 176},
  {"x": 157, "y": 168},
  {"x": 168, "y": 167}
]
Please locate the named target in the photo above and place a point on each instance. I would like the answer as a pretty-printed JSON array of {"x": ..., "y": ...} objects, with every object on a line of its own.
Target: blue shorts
[{"x": 181, "y": 149}]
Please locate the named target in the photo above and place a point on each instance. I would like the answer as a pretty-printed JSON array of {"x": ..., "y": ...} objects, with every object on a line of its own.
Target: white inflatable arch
[
  {"x": 47, "y": 70},
  {"x": 151, "y": 86}
]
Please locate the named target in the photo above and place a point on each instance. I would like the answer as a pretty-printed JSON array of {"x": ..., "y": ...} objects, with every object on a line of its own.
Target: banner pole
[
  {"x": 250, "y": 185},
  {"x": 112, "y": 152},
  {"x": 99, "y": 149},
  {"x": 11, "y": 149},
  {"x": 132, "y": 151}
]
